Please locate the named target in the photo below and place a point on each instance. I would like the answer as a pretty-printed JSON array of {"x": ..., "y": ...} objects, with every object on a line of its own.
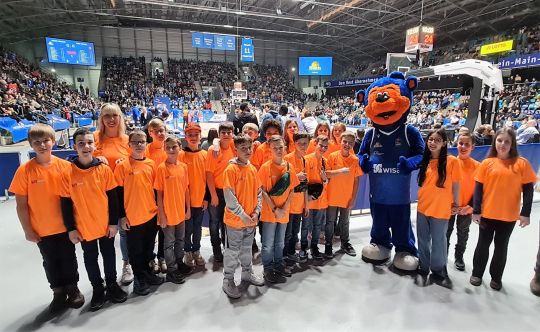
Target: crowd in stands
[{"x": 273, "y": 84}]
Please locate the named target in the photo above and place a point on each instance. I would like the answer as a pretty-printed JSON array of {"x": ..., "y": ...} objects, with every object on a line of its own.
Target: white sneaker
[
  {"x": 253, "y": 279},
  {"x": 162, "y": 265},
  {"x": 230, "y": 288},
  {"x": 154, "y": 266},
  {"x": 127, "y": 275},
  {"x": 199, "y": 260},
  {"x": 188, "y": 259}
]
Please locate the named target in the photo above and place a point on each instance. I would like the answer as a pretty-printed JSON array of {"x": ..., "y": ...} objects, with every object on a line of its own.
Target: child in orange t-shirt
[
  {"x": 138, "y": 211},
  {"x": 263, "y": 154},
  {"x": 461, "y": 217},
  {"x": 343, "y": 171},
  {"x": 90, "y": 211},
  {"x": 156, "y": 152},
  {"x": 195, "y": 159},
  {"x": 318, "y": 200},
  {"x": 335, "y": 138},
  {"x": 275, "y": 210},
  {"x": 299, "y": 203},
  {"x": 243, "y": 197},
  {"x": 322, "y": 128},
  {"x": 217, "y": 160},
  {"x": 291, "y": 128},
  {"x": 36, "y": 186},
  {"x": 438, "y": 179},
  {"x": 503, "y": 171},
  {"x": 252, "y": 131},
  {"x": 173, "y": 201}
]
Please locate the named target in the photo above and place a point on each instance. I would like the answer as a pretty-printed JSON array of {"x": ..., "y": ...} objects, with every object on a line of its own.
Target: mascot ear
[
  {"x": 412, "y": 83},
  {"x": 361, "y": 96},
  {"x": 397, "y": 75}
]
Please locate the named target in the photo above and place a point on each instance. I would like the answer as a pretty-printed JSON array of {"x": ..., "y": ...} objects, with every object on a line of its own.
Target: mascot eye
[
  {"x": 379, "y": 94},
  {"x": 386, "y": 94}
]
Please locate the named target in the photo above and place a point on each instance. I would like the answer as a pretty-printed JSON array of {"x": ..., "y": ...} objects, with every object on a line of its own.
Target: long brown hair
[
  {"x": 426, "y": 157},
  {"x": 336, "y": 125},
  {"x": 513, "y": 153},
  {"x": 288, "y": 140}
]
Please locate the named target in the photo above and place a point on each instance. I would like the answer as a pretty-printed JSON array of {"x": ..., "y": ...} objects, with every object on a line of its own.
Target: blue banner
[
  {"x": 247, "y": 54},
  {"x": 196, "y": 39},
  {"x": 351, "y": 82},
  {"x": 526, "y": 60},
  {"x": 208, "y": 40},
  {"x": 212, "y": 41},
  {"x": 224, "y": 43}
]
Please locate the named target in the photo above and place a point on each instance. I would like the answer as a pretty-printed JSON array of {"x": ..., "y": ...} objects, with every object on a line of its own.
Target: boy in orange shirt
[
  {"x": 36, "y": 188},
  {"x": 173, "y": 200},
  {"x": 87, "y": 182},
  {"x": 299, "y": 204},
  {"x": 263, "y": 153},
  {"x": 243, "y": 196},
  {"x": 252, "y": 131},
  {"x": 195, "y": 159},
  {"x": 138, "y": 211},
  {"x": 342, "y": 192},
  {"x": 275, "y": 209},
  {"x": 156, "y": 152},
  {"x": 462, "y": 215},
  {"x": 216, "y": 161}
]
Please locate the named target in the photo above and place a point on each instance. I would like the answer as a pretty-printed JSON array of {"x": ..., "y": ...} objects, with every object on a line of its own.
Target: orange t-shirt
[
  {"x": 297, "y": 201},
  {"x": 261, "y": 155},
  {"x": 269, "y": 174},
  {"x": 42, "y": 186},
  {"x": 503, "y": 180},
  {"x": 313, "y": 170},
  {"x": 157, "y": 154},
  {"x": 244, "y": 182},
  {"x": 331, "y": 148},
  {"x": 254, "y": 148},
  {"x": 433, "y": 201},
  {"x": 113, "y": 148},
  {"x": 196, "y": 166},
  {"x": 88, "y": 188},
  {"x": 341, "y": 187},
  {"x": 173, "y": 181},
  {"x": 217, "y": 165},
  {"x": 466, "y": 186},
  {"x": 137, "y": 178}
]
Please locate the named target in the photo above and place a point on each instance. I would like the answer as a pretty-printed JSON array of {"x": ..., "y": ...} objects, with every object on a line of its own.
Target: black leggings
[{"x": 497, "y": 231}]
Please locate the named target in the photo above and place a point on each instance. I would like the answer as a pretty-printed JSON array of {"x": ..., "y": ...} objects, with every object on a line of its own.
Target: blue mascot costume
[{"x": 390, "y": 151}]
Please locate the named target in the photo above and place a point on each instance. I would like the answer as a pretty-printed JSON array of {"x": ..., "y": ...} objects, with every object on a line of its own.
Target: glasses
[
  {"x": 138, "y": 142},
  {"x": 435, "y": 140},
  {"x": 158, "y": 131}
]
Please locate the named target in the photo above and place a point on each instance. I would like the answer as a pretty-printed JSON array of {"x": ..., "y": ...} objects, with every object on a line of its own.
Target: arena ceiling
[{"x": 350, "y": 30}]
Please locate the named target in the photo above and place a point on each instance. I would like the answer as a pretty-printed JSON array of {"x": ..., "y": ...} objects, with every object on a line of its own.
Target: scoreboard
[{"x": 419, "y": 38}]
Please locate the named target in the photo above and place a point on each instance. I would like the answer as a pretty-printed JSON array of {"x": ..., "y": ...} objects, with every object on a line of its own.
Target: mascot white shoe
[{"x": 375, "y": 254}]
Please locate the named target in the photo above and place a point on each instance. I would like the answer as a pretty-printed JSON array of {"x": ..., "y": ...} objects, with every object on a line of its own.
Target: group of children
[{"x": 277, "y": 185}]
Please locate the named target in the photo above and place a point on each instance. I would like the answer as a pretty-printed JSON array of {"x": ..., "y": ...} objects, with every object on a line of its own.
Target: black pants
[
  {"x": 140, "y": 242},
  {"x": 59, "y": 260},
  {"x": 291, "y": 234},
  {"x": 217, "y": 227},
  {"x": 90, "y": 253},
  {"x": 161, "y": 241},
  {"x": 462, "y": 224},
  {"x": 497, "y": 231}
]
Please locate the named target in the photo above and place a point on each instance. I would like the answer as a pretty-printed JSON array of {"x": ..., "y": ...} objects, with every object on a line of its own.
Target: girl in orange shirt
[
  {"x": 322, "y": 128},
  {"x": 438, "y": 179},
  {"x": 335, "y": 138},
  {"x": 503, "y": 171},
  {"x": 291, "y": 128}
]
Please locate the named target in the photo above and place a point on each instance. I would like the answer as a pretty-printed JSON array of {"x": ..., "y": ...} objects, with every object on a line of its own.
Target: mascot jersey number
[{"x": 390, "y": 151}]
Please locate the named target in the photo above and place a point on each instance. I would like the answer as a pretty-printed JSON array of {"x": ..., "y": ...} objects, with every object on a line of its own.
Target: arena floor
[{"x": 344, "y": 294}]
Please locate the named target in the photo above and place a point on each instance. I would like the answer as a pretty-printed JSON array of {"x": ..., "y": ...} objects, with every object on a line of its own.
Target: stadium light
[
  {"x": 53, "y": 70},
  {"x": 228, "y": 26},
  {"x": 293, "y": 69}
]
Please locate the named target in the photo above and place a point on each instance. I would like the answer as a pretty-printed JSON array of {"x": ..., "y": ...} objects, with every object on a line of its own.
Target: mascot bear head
[{"x": 388, "y": 100}]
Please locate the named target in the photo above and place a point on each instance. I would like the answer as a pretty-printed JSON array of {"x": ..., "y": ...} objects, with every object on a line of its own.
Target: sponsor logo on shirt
[
  {"x": 398, "y": 142},
  {"x": 379, "y": 169},
  {"x": 377, "y": 145}
]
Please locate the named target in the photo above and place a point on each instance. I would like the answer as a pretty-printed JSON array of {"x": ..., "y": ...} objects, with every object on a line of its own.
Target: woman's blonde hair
[{"x": 107, "y": 109}]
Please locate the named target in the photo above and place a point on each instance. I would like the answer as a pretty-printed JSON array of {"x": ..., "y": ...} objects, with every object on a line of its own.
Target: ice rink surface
[{"x": 344, "y": 294}]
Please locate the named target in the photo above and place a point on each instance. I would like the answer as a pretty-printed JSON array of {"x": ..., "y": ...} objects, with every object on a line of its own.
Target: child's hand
[
  {"x": 188, "y": 213},
  {"x": 306, "y": 212},
  {"x": 103, "y": 160},
  {"x": 455, "y": 210},
  {"x": 351, "y": 204},
  {"x": 302, "y": 176},
  {"x": 124, "y": 223},
  {"x": 204, "y": 205},
  {"x": 32, "y": 236},
  {"x": 524, "y": 221},
  {"x": 280, "y": 213},
  {"x": 255, "y": 218},
  {"x": 163, "y": 222},
  {"x": 113, "y": 229},
  {"x": 75, "y": 237},
  {"x": 465, "y": 210},
  {"x": 214, "y": 201},
  {"x": 476, "y": 218},
  {"x": 344, "y": 170},
  {"x": 246, "y": 219}
]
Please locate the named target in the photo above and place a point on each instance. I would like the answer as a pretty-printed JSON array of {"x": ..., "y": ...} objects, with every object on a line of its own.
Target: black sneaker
[
  {"x": 328, "y": 254},
  {"x": 98, "y": 298},
  {"x": 316, "y": 254},
  {"x": 58, "y": 302},
  {"x": 459, "y": 264},
  {"x": 175, "y": 277},
  {"x": 184, "y": 268},
  {"x": 218, "y": 256},
  {"x": 272, "y": 277},
  {"x": 75, "y": 299},
  {"x": 115, "y": 294},
  {"x": 302, "y": 256},
  {"x": 152, "y": 279},
  {"x": 292, "y": 258},
  {"x": 348, "y": 249},
  {"x": 496, "y": 285},
  {"x": 284, "y": 271},
  {"x": 442, "y": 281},
  {"x": 254, "y": 247},
  {"x": 140, "y": 286}
]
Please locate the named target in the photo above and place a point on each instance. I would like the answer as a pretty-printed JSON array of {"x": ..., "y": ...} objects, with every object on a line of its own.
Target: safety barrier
[{"x": 9, "y": 162}]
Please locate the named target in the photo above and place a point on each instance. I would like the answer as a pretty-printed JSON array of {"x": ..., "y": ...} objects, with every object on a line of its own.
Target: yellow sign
[{"x": 504, "y": 46}]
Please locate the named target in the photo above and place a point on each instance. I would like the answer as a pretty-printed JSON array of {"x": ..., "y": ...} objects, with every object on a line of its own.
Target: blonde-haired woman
[{"x": 111, "y": 147}]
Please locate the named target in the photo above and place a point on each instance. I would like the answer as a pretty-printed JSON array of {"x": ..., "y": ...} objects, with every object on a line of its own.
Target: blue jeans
[
  {"x": 291, "y": 234},
  {"x": 273, "y": 241},
  {"x": 313, "y": 223},
  {"x": 192, "y": 241},
  {"x": 217, "y": 228},
  {"x": 432, "y": 248}
]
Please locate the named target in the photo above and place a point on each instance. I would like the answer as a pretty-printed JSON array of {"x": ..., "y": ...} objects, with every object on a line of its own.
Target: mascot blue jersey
[{"x": 387, "y": 184}]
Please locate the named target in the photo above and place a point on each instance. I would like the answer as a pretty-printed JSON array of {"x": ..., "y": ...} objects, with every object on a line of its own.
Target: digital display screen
[
  {"x": 71, "y": 52},
  {"x": 315, "y": 66}
]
